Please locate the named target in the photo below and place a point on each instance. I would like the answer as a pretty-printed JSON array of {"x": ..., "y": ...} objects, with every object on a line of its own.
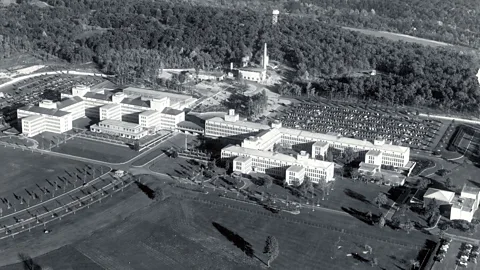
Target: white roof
[
  {"x": 240, "y": 123},
  {"x": 148, "y": 113},
  {"x": 295, "y": 168},
  {"x": 32, "y": 117},
  {"x": 242, "y": 159},
  {"x": 277, "y": 156},
  {"x": 110, "y": 106},
  {"x": 119, "y": 123},
  {"x": 342, "y": 140},
  {"x": 439, "y": 195}
]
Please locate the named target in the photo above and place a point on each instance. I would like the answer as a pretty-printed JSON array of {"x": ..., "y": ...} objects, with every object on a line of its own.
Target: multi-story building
[
  {"x": 120, "y": 128},
  {"x": 132, "y": 105},
  {"x": 233, "y": 128},
  {"x": 56, "y": 121},
  {"x": 150, "y": 119},
  {"x": 265, "y": 140},
  {"x": 33, "y": 125},
  {"x": 276, "y": 164},
  {"x": 111, "y": 111}
]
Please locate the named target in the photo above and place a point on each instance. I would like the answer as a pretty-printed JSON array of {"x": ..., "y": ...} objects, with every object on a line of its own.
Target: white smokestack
[
  {"x": 231, "y": 65},
  {"x": 265, "y": 57}
]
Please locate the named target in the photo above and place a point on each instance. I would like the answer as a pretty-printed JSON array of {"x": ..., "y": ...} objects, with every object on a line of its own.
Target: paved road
[{"x": 70, "y": 72}]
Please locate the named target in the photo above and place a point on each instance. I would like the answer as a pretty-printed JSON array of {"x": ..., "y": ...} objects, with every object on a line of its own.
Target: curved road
[{"x": 69, "y": 72}]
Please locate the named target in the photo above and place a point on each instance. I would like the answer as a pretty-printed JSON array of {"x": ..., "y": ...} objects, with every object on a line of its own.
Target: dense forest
[
  {"x": 456, "y": 21},
  {"x": 134, "y": 39}
]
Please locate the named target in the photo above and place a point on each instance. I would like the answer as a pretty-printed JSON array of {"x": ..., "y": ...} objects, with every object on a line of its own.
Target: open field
[
  {"x": 70, "y": 230},
  {"x": 399, "y": 37},
  {"x": 207, "y": 232},
  {"x": 24, "y": 171},
  {"x": 96, "y": 150}
]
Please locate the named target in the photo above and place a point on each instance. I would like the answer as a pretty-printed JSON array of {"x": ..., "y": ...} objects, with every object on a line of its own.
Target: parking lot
[
  {"x": 33, "y": 90},
  {"x": 362, "y": 123}
]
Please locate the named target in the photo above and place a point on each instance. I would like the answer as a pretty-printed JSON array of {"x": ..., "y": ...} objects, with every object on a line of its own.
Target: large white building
[
  {"x": 246, "y": 160},
  {"x": 464, "y": 207},
  {"x": 376, "y": 153},
  {"x": 153, "y": 110},
  {"x": 120, "y": 128}
]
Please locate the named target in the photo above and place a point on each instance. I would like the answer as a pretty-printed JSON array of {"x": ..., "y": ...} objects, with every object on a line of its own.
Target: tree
[
  {"x": 432, "y": 208},
  {"x": 268, "y": 182},
  {"x": 403, "y": 209},
  {"x": 349, "y": 155},
  {"x": 227, "y": 166},
  {"x": 309, "y": 185},
  {"x": 271, "y": 249},
  {"x": 329, "y": 156},
  {"x": 424, "y": 183},
  {"x": 354, "y": 174},
  {"x": 323, "y": 185},
  {"x": 381, "y": 199},
  {"x": 369, "y": 216},
  {"x": 448, "y": 183},
  {"x": 381, "y": 221},
  {"x": 408, "y": 226},
  {"x": 175, "y": 154}
]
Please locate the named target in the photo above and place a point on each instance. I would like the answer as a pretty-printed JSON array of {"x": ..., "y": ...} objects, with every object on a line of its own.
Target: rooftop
[
  {"x": 134, "y": 91},
  {"x": 188, "y": 124},
  {"x": 252, "y": 69},
  {"x": 68, "y": 102},
  {"x": 119, "y": 123},
  {"x": 464, "y": 204},
  {"x": 110, "y": 106},
  {"x": 171, "y": 111},
  {"x": 98, "y": 96},
  {"x": 295, "y": 168},
  {"x": 251, "y": 125},
  {"x": 343, "y": 140},
  {"x": 242, "y": 159},
  {"x": 374, "y": 153},
  {"x": 289, "y": 160},
  {"x": 439, "y": 195},
  {"x": 320, "y": 144},
  {"x": 45, "y": 111},
  {"x": 136, "y": 102},
  {"x": 471, "y": 190},
  {"x": 33, "y": 117},
  {"x": 148, "y": 113}
]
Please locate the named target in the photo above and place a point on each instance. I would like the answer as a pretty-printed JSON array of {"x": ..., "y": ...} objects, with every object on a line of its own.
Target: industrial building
[
  {"x": 252, "y": 73},
  {"x": 152, "y": 110},
  {"x": 263, "y": 137}
]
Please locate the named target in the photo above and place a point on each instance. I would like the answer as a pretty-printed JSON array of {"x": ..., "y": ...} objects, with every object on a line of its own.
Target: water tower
[{"x": 275, "y": 13}]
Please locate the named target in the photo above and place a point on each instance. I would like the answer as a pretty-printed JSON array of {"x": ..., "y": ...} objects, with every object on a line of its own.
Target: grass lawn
[
  {"x": 24, "y": 170},
  {"x": 196, "y": 231},
  {"x": 96, "y": 150}
]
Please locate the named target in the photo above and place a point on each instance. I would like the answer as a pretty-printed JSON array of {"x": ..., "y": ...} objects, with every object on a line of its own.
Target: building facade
[
  {"x": 276, "y": 164},
  {"x": 120, "y": 128},
  {"x": 316, "y": 143}
]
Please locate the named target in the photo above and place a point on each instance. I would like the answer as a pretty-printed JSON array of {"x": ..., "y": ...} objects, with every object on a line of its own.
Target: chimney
[
  {"x": 265, "y": 60},
  {"x": 231, "y": 66}
]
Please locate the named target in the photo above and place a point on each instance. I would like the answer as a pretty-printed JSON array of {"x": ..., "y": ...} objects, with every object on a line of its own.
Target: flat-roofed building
[
  {"x": 242, "y": 164},
  {"x": 170, "y": 118},
  {"x": 253, "y": 74},
  {"x": 265, "y": 140},
  {"x": 276, "y": 164},
  {"x": 230, "y": 126},
  {"x": 111, "y": 111},
  {"x": 295, "y": 175},
  {"x": 463, "y": 209},
  {"x": 319, "y": 150},
  {"x": 55, "y": 121},
  {"x": 177, "y": 101},
  {"x": 33, "y": 125},
  {"x": 150, "y": 119},
  {"x": 74, "y": 105},
  {"x": 120, "y": 128}
]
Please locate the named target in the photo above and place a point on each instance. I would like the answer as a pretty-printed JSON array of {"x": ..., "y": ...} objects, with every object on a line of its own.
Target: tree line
[{"x": 135, "y": 39}]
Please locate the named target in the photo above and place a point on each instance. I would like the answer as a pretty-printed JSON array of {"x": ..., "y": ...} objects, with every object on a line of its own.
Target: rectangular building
[
  {"x": 55, "y": 121},
  {"x": 276, "y": 164},
  {"x": 33, "y": 125},
  {"x": 111, "y": 111},
  {"x": 170, "y": 118},
  {"x": 150, "y": 119},
  {"x": 120, "y": 128}
]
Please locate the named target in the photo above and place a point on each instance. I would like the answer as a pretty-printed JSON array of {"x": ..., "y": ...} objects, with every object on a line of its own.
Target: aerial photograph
[{"x": 239, "y": 134}]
